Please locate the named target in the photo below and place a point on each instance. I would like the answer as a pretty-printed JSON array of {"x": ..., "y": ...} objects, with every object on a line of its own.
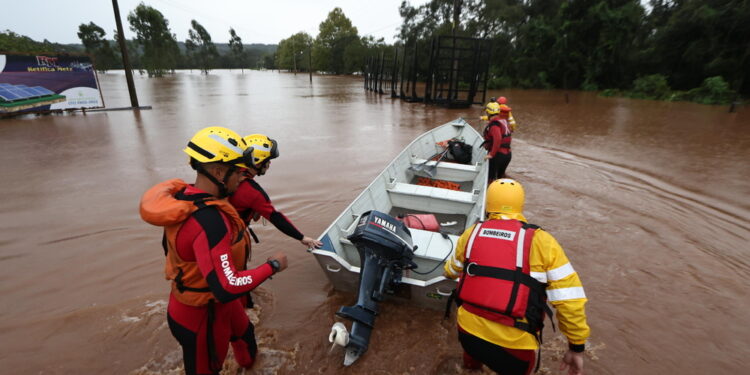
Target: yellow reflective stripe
[
  {"x": 562, "y": 294},
  {"x": 561, "y": 272}
]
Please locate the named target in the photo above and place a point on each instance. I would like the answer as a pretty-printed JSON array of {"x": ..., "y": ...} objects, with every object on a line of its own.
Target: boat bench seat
[
  {"x": 431, "y": 199},
  {"x": 448, "y": 171}
]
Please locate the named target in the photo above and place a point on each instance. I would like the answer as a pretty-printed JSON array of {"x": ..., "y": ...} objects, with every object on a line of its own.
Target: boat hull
[{"x": 395, "y": 191}]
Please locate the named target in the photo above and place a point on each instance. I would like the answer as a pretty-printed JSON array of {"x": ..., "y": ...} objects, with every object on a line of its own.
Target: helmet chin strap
[
  {"x": 222, "y": 185},
  {"x": 260, "y": 171}
]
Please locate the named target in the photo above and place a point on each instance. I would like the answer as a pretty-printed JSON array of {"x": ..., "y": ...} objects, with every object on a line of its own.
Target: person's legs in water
[
  {"x": 188, "y": 325},
  {"x": 501, "y": 162},
  {"x": 492, "y": 170},
  {"x": 501, "y": 360},
  {"x": 243, "y": 336}
]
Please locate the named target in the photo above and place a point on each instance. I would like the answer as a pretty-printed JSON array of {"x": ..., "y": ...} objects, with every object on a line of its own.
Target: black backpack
[{"x": 460, "y": 151}]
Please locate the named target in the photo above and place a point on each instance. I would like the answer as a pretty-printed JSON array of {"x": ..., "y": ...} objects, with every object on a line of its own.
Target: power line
[{"x": 202, "y": 13}]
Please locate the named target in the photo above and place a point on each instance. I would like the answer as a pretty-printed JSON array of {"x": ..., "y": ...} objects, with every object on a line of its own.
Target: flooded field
[{"x": 649, "y": 199}]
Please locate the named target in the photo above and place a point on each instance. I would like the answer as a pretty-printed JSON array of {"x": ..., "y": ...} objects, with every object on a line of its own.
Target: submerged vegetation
[{"x": 713, "y": 90}]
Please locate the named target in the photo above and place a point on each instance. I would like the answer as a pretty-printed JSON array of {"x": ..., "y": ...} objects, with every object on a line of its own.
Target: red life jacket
[
  {"x": 496, "y": 283},
  {"x": 504, "y": 130}
]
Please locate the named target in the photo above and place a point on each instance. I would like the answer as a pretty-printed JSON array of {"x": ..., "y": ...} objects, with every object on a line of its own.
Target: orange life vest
[
  {"x": 165, "y": 205},
  {"x": 496, "y": 283}
]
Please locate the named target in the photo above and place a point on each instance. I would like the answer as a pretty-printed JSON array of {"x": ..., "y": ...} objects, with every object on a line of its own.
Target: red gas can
[{"x": 421, "y": 221}]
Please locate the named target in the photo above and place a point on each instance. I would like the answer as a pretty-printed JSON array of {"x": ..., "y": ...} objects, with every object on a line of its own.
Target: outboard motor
[{"x": 385, "y": 250}]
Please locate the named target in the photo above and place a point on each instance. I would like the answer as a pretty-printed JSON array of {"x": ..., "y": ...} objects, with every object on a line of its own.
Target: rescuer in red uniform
[
  {"x": 207, "y": 248},
  {"x": 252, "y": 202},
  {"x": 497, "y": 138}
]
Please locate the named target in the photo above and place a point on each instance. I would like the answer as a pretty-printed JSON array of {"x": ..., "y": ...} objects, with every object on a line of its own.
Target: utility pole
[
  {"x": 309, "y": 61},
  {"x": 453, "y": 84},
  {"x": 294, "y": 56},
  {"x": 125, "y": 59}
]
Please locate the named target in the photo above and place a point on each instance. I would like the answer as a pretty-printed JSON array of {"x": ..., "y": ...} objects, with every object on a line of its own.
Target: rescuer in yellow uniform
[{"x": 508, "y": 271}]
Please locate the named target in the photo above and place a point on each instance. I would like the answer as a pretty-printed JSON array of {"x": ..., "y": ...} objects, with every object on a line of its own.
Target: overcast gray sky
[{"x": 266, "y": 21}]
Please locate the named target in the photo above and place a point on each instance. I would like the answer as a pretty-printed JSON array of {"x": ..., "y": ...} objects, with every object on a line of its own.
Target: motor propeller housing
[{"x": 385, "y": 250}]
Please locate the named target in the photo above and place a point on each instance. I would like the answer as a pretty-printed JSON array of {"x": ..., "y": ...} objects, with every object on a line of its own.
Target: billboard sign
[{"x": 34, "y": 83}]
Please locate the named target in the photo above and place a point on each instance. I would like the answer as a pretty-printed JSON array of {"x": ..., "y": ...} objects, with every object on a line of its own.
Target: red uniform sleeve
[
  {"x": 212, "y": 249},
  {"x": 250, "y": 196}
]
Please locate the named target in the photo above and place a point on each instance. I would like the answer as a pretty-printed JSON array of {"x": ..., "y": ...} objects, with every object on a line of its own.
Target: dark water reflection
[{"x": 648, "y": 198}]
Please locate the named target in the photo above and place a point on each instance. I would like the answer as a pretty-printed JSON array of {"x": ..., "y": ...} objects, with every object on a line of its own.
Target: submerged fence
[{"x": 450, "y": 71}]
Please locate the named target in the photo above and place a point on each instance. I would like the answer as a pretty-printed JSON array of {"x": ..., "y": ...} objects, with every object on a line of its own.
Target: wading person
[
  {"x": 511, "y": 121},
  {"x": 252, "y": 202},
  {"x": 497, "y": 138},
  {"x": 509, "y": 270},
  {"x": 207, "y": 248}
]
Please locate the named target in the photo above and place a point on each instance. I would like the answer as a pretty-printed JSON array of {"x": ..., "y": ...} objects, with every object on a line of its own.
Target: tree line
[
  {"x": 666, "y": 49},
  {"x": 155, "y": 49},
  {"x": 338, "y": 48}
]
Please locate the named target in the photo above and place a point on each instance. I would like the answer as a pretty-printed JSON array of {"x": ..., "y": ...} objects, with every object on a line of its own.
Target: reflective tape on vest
[
  {"x": 471, "y": 240},
  {"x": 519, "y": 248}
]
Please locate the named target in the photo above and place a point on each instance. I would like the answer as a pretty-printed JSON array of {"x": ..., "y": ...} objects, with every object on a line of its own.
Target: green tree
[
  {"x": 335, "y": 35},
  {"x": 134, "y": 53},
  {"x": 160, "y": 51},
  {"x": 92, "y": 37},
  {"x": 269, "y": 61},
  {"x": 191, "y": 50},
  {"x": 204, "y": 49},
  {"x": 235, "y": 45},
  {"x": 294, "y": 52},
  {"x": 701, "y": 39},
  {"x": 12, "y": 42}
]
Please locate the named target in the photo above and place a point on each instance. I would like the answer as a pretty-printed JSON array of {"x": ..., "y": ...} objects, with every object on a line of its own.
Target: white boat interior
[{"x": 395, "y": 191}]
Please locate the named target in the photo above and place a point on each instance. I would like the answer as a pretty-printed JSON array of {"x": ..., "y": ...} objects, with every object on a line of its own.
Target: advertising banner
[{"x": 41, "y": 83}]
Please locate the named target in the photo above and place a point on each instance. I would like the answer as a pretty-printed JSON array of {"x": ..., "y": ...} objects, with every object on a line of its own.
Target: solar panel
[
  {"x": 43, "y": 91},
  {"x": 31, "y": 93},
  {"x": 22, "y": 93},
  {"x": 36, "y": 91},
  {"x": 7, "y": 95}
]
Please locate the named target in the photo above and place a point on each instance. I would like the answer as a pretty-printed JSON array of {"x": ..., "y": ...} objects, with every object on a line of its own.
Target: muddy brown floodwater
[{"x": 649, "y": 199}]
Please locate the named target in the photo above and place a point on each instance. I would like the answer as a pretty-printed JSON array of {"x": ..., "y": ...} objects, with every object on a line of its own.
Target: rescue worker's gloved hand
[
  {"x": 573, "y": 362},
  {"x": 281, "y": 258},
  {"x": 485, "y": 118},
  {"x": 311, "y": 243}
]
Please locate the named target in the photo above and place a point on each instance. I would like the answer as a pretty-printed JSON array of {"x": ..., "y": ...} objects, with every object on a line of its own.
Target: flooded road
[{"x": 649, "y": 199}]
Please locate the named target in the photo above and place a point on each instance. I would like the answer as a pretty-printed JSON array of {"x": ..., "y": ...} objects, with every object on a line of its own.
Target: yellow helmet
[
  {"x": 216, "y": 144},
  {"x": 505, "y": 195},
  {"x": 261, "y": 148},
  {"x": 492, "y": 108}
]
